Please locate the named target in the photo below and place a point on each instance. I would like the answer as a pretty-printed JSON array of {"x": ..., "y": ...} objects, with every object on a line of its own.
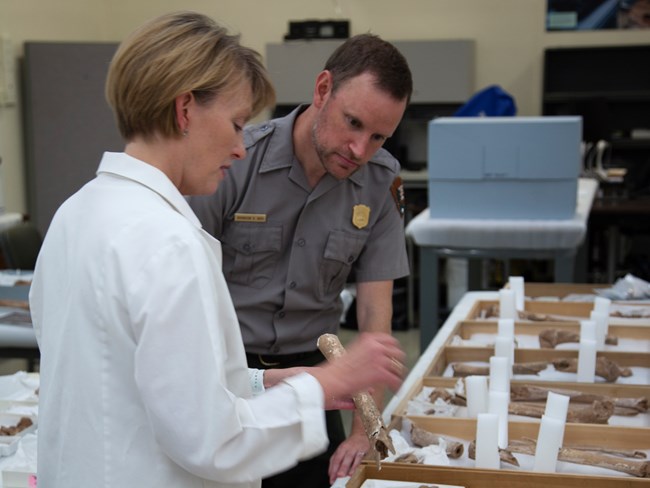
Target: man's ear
[
  {"x": 182, "y": 105},
  {"x": 323, "y": 88}
]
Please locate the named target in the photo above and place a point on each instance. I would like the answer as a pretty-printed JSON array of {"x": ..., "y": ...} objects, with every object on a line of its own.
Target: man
[{"x": 316, "y": 201}]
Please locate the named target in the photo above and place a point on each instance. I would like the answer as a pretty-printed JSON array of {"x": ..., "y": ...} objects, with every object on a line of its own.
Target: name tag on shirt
[{"x": 247, "y": 217}]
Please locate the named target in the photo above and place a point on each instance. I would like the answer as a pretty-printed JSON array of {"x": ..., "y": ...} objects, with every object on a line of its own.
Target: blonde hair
[{"x": 174, "y": 54}]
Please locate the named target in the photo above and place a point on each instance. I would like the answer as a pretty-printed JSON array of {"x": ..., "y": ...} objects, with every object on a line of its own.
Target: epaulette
[
  {"x": 397, "y": 190},
  {"x": 255, "y": 133}
]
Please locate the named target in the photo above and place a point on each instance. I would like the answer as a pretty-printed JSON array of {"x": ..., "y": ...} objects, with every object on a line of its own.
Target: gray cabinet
[
  {"x": 443, "y": 70},
  {"x": 68, "y": 124}
]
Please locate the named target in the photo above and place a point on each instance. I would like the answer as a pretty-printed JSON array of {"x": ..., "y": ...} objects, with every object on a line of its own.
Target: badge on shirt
[
  {"x": 248, "y": 217},
  {"x": 397, "y": 189},
  {"x": 360, "y": 216}
]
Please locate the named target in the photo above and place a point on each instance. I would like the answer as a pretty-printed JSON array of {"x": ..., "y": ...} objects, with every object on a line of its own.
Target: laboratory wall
[{"x": 510, "y": 40}]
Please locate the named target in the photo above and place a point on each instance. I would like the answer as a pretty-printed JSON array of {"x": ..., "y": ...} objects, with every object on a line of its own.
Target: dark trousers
[{"x": 311, "y": 473}]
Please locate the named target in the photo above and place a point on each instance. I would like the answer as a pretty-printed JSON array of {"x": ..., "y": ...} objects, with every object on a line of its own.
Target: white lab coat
[{"x": 143, "y": 374}]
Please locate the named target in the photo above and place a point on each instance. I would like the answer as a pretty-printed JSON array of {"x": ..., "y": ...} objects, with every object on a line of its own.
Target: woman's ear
[
  {"x": 182, "y": 105},
  {"x": 323, "y": 88}
]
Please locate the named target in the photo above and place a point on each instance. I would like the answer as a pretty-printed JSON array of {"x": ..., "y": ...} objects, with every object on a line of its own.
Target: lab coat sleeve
[{"x": 188, "y": 351}]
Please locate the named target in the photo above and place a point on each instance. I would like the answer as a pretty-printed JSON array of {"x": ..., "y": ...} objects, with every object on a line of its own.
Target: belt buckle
[{"x": 265, "y": 363}]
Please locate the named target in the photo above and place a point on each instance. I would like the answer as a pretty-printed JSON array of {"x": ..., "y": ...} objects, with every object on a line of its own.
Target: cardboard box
[{"x": 504, "y": 167}]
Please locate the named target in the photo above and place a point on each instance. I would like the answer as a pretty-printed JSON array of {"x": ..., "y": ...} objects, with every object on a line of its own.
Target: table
[
  {"x": 494, "y": 238},
  {"x": 431, "y": 348},
  {"x": 17, "y": 338},
  {"x": 612, "y": 219}
]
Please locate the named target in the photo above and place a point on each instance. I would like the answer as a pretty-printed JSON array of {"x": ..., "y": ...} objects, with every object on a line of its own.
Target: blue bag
[{"x": 491, "y": 101}]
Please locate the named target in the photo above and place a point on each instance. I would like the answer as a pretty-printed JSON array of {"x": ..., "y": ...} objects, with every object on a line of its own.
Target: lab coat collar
[{"x": 125, "y": 166}]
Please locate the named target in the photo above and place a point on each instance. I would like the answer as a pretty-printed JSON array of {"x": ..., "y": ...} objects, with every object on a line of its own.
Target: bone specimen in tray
[
  {"x": 528, "y": 401},
  {"x": 422, "y": 438},
  {"x": 465, "y": 369},
  {"x": 550, "y": 338},
  {"x": 605, "y": 368},
  {"x": 10, "y": 430}
]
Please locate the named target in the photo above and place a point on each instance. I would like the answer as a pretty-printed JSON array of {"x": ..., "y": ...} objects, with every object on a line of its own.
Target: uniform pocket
[
  {"x": 342, "y": 249},
  {"x": 251, "y": 253}
]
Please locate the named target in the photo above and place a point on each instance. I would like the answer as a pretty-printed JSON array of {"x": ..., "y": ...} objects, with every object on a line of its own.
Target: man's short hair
[{"x": 367, "y": 53}]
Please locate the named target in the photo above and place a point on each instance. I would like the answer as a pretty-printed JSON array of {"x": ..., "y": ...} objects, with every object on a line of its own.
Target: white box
[
  {"x": 19, "y": 478},
  {"x": 504, "y": 167}
]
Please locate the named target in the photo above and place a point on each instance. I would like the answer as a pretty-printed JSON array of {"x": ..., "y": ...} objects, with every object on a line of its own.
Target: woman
[{"x": 143, "y": 374}]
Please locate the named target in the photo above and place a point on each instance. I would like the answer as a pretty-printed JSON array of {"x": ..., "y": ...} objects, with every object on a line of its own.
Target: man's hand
[{"x": 348, "y": 456}]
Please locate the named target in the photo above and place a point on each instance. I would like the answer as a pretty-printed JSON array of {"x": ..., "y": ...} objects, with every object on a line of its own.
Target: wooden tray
[
  {"x": 482, "y": 478},
  {"x": 465, "y": 329},
  {"x": 512, "y": 477},
  {"x": 561, "y": 290},
  {"x": 572, "y": 311},
  {"x": 607, "y": 389},
  {"x": 452, "y": 354}
]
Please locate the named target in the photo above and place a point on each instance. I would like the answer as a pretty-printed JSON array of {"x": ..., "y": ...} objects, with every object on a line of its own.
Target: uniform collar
[
  {"x": 276, "y": 154},
  {"x": 125, "y": 166}
]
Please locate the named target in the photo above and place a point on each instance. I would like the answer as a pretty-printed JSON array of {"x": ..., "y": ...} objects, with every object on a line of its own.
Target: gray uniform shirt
[{"x": 288, "y": 249}]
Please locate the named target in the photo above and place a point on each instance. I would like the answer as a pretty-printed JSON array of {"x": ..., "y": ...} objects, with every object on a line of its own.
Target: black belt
[{"x": 280, "y": 360}]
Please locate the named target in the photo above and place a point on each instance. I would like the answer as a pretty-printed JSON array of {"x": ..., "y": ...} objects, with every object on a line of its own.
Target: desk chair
[{"x": 20, "y": 245}]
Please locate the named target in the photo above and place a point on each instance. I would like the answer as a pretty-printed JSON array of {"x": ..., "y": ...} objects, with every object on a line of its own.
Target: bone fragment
[
  {"x": 409, "y": 457},
  {"x": 422, "y": 438},
  {"x": 464, "y": 369},
  {"x": 380, "y": 441},
  {"x": 623, "y": 406},
  {"x": 550, "y": 338},
  {"x": 504, "y": 455},
  {"x": 596, "y": 413},
  {"x": 599, "y": 459},
  {"x": 440, "y": 393},
  {"x": 625, "y": 453},
  {"x": 605, "y": 368}
]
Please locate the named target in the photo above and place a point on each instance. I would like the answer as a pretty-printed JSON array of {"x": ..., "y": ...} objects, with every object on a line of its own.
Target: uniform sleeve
[
  {"x": 384, "y": 255},
  {"x": 187, "y": 339},
  {"x": 212, "y": 209}
]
